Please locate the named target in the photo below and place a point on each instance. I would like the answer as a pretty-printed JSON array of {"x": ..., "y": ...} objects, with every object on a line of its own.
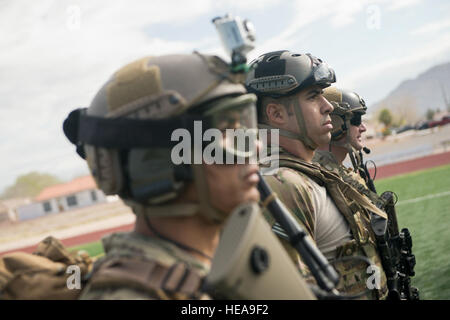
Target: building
[
  {"x": 8, "y": 208},
  {"x": 78, "y": 193}
]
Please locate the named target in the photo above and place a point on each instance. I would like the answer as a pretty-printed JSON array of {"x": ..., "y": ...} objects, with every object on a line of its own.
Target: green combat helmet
[
  {"x": 283, "y": 73},
  {"x": 126, "y": 135}
]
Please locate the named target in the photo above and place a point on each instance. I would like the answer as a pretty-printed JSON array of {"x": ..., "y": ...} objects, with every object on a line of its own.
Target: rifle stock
[{"x": 251, "y": 264}]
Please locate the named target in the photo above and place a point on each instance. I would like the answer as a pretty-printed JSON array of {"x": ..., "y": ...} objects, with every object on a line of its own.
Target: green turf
[
  {"x": 429, "y": 222},
  {"x": 92, "y": 248}
]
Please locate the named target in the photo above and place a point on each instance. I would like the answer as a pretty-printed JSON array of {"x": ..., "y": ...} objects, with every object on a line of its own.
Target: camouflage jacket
[
  {"x": 141, "y": 267},
  {"x": 327, "y": 160},
  {"x": 293, "y": 185}
]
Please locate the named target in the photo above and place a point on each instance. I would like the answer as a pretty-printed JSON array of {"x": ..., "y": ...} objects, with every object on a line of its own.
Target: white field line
[{"x": 430, "y": 196}]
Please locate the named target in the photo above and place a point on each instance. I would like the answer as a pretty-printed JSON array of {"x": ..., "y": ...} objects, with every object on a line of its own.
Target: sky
[{"x": 56, "y": 54}]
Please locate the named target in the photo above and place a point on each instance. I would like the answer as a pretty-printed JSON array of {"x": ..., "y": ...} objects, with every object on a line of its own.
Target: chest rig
[
  {"x": 358, "y": 183},
  {"x": 327, "y": 160},
  {"x": 355, "y": 208},
  {"x": 158, "y": 281}
]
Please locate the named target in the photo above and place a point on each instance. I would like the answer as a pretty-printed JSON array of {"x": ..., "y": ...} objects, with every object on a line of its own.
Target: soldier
[
  {"x": 346, "y": 139},
  {"x": 127, "y": 139},
  {"x": 289, "y": 87}
]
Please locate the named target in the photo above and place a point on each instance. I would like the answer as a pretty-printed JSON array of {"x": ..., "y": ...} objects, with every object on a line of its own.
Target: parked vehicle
[
  {"x": 404, "y": 128},
  {"x": 422, "y": 125},
  {"x": 443, "y": 121}
]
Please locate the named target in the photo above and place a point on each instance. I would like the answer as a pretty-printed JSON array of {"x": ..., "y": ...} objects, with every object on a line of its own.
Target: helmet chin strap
[
  {"x": 205, "y": 207},
  {"x": 287, "y": 134},
  {"x": 347, "y": 145},
  {"x": 353, "y": 157},
  {"x": 302, "y": 136},
  {"x": 167, "y": 210}
]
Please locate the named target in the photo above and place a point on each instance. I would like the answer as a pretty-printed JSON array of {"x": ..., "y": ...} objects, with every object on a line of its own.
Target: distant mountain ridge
[{"x": 425, "y": 90}]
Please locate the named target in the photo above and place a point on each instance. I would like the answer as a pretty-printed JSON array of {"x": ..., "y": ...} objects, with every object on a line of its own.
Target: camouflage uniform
[
  {"x": 143, "y": 267},
  {"x": 293, "y": 183},
  {"x": 327, "y": 160}
]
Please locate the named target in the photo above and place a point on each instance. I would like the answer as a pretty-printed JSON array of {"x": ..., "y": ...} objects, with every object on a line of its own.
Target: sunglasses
[{"x": 356, "y": 120}]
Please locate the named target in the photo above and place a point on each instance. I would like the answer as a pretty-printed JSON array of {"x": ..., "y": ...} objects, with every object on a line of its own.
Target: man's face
[
  {"x": 355, "y": 135},
  {"x": 315, "y": 110},
  {"x": 232, "y": 185}
]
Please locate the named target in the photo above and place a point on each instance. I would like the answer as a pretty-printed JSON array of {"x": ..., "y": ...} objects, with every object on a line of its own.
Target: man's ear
[{"x": 276, "y": 113}]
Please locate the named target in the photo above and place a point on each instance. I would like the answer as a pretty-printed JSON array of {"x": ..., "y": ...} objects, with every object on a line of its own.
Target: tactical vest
[
  {"x": 357, "y": 183},
  {"x": 176, "y": 282},
  {"x": 327, "y": 160},
  {"x": 355, "y": 209},
  {"x": 43, "y": 275}
]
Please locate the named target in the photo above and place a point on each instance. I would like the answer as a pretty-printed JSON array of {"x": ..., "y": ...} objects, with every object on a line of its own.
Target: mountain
[{"x": 424, "y": 92}]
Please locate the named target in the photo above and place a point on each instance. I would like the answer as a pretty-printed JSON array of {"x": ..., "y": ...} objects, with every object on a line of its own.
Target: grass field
[
  {"x": 427, "y": 218},
  {"x": 93, "y": 248}
]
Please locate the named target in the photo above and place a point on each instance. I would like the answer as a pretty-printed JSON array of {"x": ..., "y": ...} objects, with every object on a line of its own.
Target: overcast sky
[{"x": 55, "y": 55}]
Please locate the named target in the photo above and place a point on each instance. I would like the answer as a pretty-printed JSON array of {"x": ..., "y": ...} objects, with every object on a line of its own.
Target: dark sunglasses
[{"x": 356, "y": 120}]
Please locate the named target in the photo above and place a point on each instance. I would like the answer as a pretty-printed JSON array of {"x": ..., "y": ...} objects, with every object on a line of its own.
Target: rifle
[
  {"x": 250, "y": 263},
  {"x": 401, "y": 243},
  {"x": 395, "y": 247},
  {"x": 327, "y": 278}
]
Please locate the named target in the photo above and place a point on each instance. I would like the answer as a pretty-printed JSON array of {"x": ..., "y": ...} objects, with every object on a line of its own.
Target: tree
[
  {"x": 385, "y": 117},
  {"x": 29, "y": 185},
  {"x": 430, "y": 114},
  {"x": 404, "y": 110}
]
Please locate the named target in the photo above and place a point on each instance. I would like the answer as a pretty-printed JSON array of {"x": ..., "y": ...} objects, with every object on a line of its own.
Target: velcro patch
[{"x": 134, "y": 81}]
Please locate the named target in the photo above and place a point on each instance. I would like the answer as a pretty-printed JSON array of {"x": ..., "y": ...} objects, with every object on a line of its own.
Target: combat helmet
[
  {"x": 126, "y": 134},
  {"x": 349, "y": 107},
  {"x": 348, "y": 110},
  {"x": 284, "y": 73}
]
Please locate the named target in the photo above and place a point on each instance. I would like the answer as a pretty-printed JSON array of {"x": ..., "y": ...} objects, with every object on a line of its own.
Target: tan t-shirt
[{"x": 331, "y": 229}]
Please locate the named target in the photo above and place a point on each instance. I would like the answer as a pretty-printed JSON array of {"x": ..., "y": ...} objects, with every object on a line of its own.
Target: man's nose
[
  {"x": 362, "y": 127},
  {"x": 326, "y": 106}
]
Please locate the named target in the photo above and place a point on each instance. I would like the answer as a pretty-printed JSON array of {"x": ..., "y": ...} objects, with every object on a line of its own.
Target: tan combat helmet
[
  {"x": 348, "y": 108},
  {"x": 126, "y": 133},
  {"x": 283, "y": 73}
]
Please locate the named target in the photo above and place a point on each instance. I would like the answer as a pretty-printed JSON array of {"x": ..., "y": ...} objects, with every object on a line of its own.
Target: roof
[
  {"x": 64, "y": 189},
  {"x": 13, "y": 203}
]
